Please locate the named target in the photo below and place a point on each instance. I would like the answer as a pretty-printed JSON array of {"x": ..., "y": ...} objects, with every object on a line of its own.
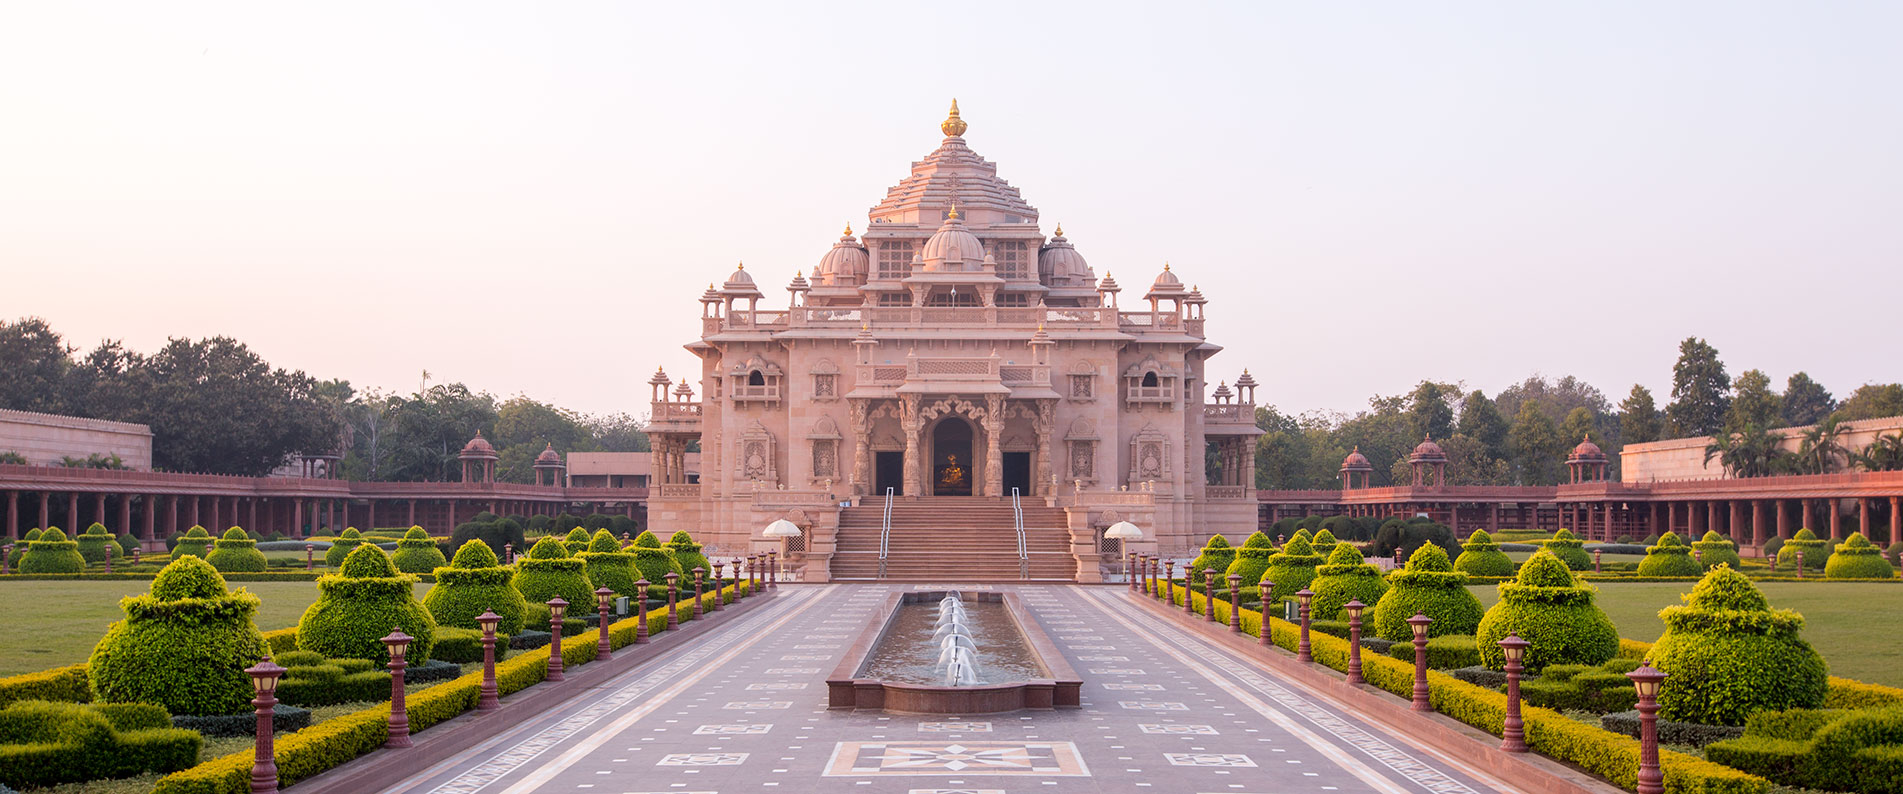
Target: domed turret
[
  {"x": 1167, "y": 285},
  {"x": 953, "y": 247},
  {"x": 1427, "y": 452},
  {"x": 1059, "y": 265},
  {"x": 740, "y": 284},
  {"x": 1587, "y": 451},
  {"x": 1356, "y": 462},
  {"x": 549, "y": 455},
  {"x": 846, "y": 265},
  {"x": 478, "y": 448}
]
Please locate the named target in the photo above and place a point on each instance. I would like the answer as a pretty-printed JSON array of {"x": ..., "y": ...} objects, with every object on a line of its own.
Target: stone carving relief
[
  {"x": 755, "y": 463},
  {"x": 1149, "y": 455}
]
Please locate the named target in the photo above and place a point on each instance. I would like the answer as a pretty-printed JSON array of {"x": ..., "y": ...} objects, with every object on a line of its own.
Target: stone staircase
[{"x": 951, "y": 538}]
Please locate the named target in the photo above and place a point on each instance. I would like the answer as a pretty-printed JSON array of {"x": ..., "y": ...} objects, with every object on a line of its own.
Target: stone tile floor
[{"x": 744, "y": 710}]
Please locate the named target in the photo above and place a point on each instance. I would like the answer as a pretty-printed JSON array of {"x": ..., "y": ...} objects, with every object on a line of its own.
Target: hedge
[
  {"x": 45, "y": 744},
  {"x": 1728, "y": 655},
  {"x": 548, "y": 571},
  {"x": 62, "y": 684},
  {"x": 93, "y": 541},
  {"x": 1428, "y": 586},
  {"x": 236, "y": 552},
  {"x": 1216, "y": 554},
  {"x": 1553, "y": 611},
  {"x": 1443, "y": 653},
  {"x": 1580, "y": 687},
  {"x": 1252, "y": 559},
  {"x": 1834, "y": 750},
  {"x": 1480, "y": 556},
  {"x": 1714, "y": 550},
  {"x": 1807, "y": 542},
  {"x": 193, "y": 542},
  {"x": 686, "y": 552},
  {"x": 342, "y": 547},
  {"x": 472, "y": 584},
  {"x": 1671, "y": 557},
  {"x": 1346, "y": 577},
  {"x": 52, "y": 553}
]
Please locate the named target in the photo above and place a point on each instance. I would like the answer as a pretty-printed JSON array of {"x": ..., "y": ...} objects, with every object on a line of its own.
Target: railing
[
  {"x": 680, "y": 490},
  {"x": 1225, "y": 491},
  {"x": 665, "y": 410},
  {"x": 885, "y": 532},
  {"x": 1017, "y": 520}
]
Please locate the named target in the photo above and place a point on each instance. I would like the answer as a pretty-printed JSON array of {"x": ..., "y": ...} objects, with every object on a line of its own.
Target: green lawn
[
  {"x": 1853, "y": 624},
  {"x": 54, "y": 623}
]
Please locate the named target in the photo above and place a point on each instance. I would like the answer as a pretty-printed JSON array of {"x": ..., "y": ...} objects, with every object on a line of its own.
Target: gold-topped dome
[{"x": 953, "y": 126}]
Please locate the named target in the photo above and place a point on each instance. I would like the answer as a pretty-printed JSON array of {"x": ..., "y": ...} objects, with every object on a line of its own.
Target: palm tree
[
  {"x": 1885, "y": 453},
  {"x": 1820, "y": 450},
  {"x": 1752, "y": 452}
]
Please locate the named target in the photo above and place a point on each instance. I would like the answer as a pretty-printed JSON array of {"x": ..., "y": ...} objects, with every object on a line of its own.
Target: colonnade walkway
[{"x": 744, "y": 710}]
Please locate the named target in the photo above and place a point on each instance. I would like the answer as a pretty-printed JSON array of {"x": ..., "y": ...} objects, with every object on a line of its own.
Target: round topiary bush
[
  {"x": 1217, "y": 554},
  {"x": 1252, "y": 558},
  {"x": 193, "y": 542},
  {"x": 687, "y": 553},
  {"x": 1671, "y": 557},
  {"x": 361, "y": 603},
  {"x": 577, "y": 541},
  {"x": 548, "y": 570},
  {"x": 1728, "y": 655},
  {"x": 1894, "y": 553},
  {"x": 1569, "y": 550},
  {"x": 1346, "y": 577},
  {"x": 52, "y": 553},
  {"x": 608, "y": 566},
  {"x": 473, "y": 583},
  {"x": 417, "y": 553},
  {"x": 342, "y": 547},
  {"x": 1480, "y": 556},
  {"x": 1548, "y": 607},
  {"x": 93, "y": 542},
  {"x": 237, "y": 552},
  {"x": 1430, "y": 586},
  {"x": 1858, "y": 558},
  {"x": 1292, "y": 569},
  {"x": 647, "y": 540},
  {"x": 1714, "y": 550},
  {"x": 127, "y": 544},
  {"x": 1815, "y": 554},
  {"x": 32, "y": 535},
  {"x": 183, "y": 646},
  {"x": 653, "y": 564},
  {"x": 1323, "y": 543}
]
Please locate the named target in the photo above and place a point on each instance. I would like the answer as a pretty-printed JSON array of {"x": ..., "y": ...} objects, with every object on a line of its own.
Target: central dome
[{"x": 953, "y": 247}]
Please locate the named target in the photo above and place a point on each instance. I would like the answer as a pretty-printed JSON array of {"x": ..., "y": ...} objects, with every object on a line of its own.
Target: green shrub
[
  {"x": 1409, "y": 534},
  {"x": 417, "y": 553},
  {"x": 183, "y": 646},
  {"x": 1807, "y": 542},
  {"x": 1729, "y": 655},
  {"x": 1323, "y": 543},
  {"x": 93, "y": 542},
  {"x": 1857, "y": 558},
  {"x": 1252, "y": 559},
  {"x": 608, "y": 566},
  {"x": 687, "y": 553},
  {"x": 647, "y": 540},
  {"x": 237, "y": 552},
  {"x": 1342, "y": 528},
  {"x": 1714, "y": 550},
  {"x": 1831, "y": 750},
  {"x": 1346, "y": 577},
  {"x": 1894, "y": 554},
  {"x": 1548, "y": 607},
  {"x": 327, "y": 682},
  {"x": 46, "y": 744},
  {"x": 1480, "y": 556},
  {"x": 472, "y": 584},
  {"x": 499, "y": 534},
  {"x": 1671, "y": 557},
  {"x": 549, "y": 571},
  {"x": 1579, "y": 687},
  {"x": 1443, "y": 653},
  {"x": 577, "y": 541},
  {"x": 52, "y": 553},
  {"x": 1292, "y": 569},
  {"x": 361, "y": 603},
  {"x": 1430, "y": 586},
  {"x": 653, "y": 564},
  {"x": 32, "y": 535},
  {"x": 127, "y": 544},
  {"x": 1569, "y": 550},
  {"x": 341, "y": 547},
  {"x": 63, "y": 684},
  {"x": 1216, "y": 553},
  {"x": 193, "y": 542},
  {"x": 464, "y": 646}
]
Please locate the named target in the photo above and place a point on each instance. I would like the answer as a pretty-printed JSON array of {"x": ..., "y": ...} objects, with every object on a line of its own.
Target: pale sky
[{"x": 528, "y": 197}]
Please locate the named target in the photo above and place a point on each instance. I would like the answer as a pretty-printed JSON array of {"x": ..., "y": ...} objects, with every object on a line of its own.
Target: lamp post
[
  {"x": 6, "y": 559},
  {"x": 1419, "y": 623},
  {"x": 1169, "y": 583},
  {"x": 1513, "y": 730},
  {"x": 773, "y": 569},
  {"x": 603, "y": 651},
  {"x": 264, "y": 686},
  {"x": 1266, "y": 637},
  {"x": 1302, "y": 649},
  {"x": 1235, "y": 602},
  {"x": 397, "y": 733},
  {"x": 1354, "y": 639},
  {"x": 1209, "y": 594},
  {"x": 641, "y": 594},
  {"x": 1130, "y": 565},
  {"x": 700, "y": 575},
  {"x": 673, "y": 614},
  {"x": 1800, "y": 563},
  {"x": 1647, "y": 680},
  {"x": 1398, "y": 564},
  {"x": 1595, "y": 559},
  {"x": 733, "y": 580},
  {"x": 1149, "y": 574},
  {"x": 310, "y": 557},
  {"x": 508, "y": 554},
  {"x": 557, "y": 608},
  {"x": 488, "y": 700},
  {"x": 108, "y": 550},
  {"x": 208, "y": 545}
]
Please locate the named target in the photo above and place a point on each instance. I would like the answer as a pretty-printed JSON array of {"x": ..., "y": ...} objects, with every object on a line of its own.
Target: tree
[
  {"x": 1429, "y": 412},
  {"x": 1577, "y": 427},
  {"x": 1699, "y": 386},
  {"x": 1753, "y": 404},
  {"x": 1751, "y": 452},
  {"x": 216, "y": 407},
  {"x": 1470, "y": 462},
  {"x": 1872, "y": 401},
  {"x": 1805, "y": 402},
  {"x": 1820, "y": 449},
  {"x": 1281, "y": 452},
  {"x": 1556, "y": 398},
  {"x": 1535, "y": 446},
  {"x": 1638, "y": 417},
  {"x": 1885, "y": 453},
  {"x": 1480, "y": 420},
  {"x": 619, "y": 432},
  {"x": 36, "y": 361}
]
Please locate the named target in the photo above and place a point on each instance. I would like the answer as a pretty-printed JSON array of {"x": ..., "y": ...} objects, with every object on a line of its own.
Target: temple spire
[{"x": 953, "y": 126}]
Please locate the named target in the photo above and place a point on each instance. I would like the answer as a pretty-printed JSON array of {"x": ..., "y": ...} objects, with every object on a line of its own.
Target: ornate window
[
  {"x": 825, "y": 380},
  {"x": 1149, "y": 456},
  {"x": 758, "y": 380},
  {"x": 1150, "y": 381},
  {"x": 1082, "y": 440},
  {"x": 1014, "y": 300},
  {"x": 1083, "y": 381},
  {"x": 895, "y": 258},
  {"x": 754, "y": 463},
  {"x": 824, "y": 438},
  {"x": 1011, "y": 257}
]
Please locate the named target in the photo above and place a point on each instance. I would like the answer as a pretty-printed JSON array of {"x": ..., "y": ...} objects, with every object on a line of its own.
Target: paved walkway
[{"x": 744, "y": 710}]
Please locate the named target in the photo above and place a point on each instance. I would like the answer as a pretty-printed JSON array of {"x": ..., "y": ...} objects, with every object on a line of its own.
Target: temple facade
[{"x": 954, "y": 352}]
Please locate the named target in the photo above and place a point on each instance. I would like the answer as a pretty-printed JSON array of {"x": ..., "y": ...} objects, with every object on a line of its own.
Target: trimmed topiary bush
[
  {"x": 1323, "y": 543},
  {"x": 1729, "y": 655},
  {"x": 1480, "y": 556},
  {"x": 577, "y": 541},
  {"x": 1292, "y": 569},
  {"x": 1831, "y": 750},
  {"x": 52, "y": 553},
  {"x": 237, "y": 552},
  {"x": 1671, "y": 557},
  {"x": 1551, "y": 609},
  {"x": 647, "y": 540},
  {"x": 687, "y": 553},
  {"x": 474, "y": 583},
  {"x": 1217, "y": 554},
  {"x": 1252, "y": 558},
  {"x": 1857, "y": 558},
  {"x": 1714, "y": 550},
  {"x": 360, "y": 604},
  {"x": 46, "y": 744},
  {"x": 127, "y": 544},
  {"x": 417, "y": 553},
  {"x": 342, "y": 547},
  {"x": 1568, "y": 549},
  {"x": 32, "y": 535},
  {"x": 549, "y": 571},
  {"x": 1443, "y": 653},
  {"x": 500, "y": 534},
  {"x": 1429, "y": 585},
  {"x": 653, "y": 564},
  {"x": 1346, "y": 577},
  {"x": 1894, "y": 553},
  {"x": 192, "y": 542},
  {"x": 464, "y": 646},
  {"x": 184, "y": 645},
  {"x": 608, "y": 566},
  {"x": 92, "y": 543},
  {"x": 1815, "y": 553}
]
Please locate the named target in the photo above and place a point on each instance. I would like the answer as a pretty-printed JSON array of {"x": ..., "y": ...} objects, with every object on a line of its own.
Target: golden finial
[
  {"x": 1060, "y": 228},
  {"x": 953, "y": 126},
  {"x": 953, "y": 215},
  {"x": 743, "y": 266},
  {"x": 1166, "y": 267},
  {"x": 848, "y": 230}
]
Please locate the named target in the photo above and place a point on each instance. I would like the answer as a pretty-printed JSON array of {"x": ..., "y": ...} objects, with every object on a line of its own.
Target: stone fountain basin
[{"x": 1058, "y": 688}]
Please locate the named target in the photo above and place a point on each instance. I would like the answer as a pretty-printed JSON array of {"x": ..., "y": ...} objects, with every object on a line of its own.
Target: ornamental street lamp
[
  {"x": 557, "y": 608},
  {"x": 1130, "y": 565},
  {"x": 135, "y": 559},
  {"x": 1595, "y": 559},
  {"x": 397, "y": 733},
  {"x": 508, "y": 554},
  {"x": 641, "y": 595},
  {"x": 773, "y": 569},
  {"x": 1209, "y": 594},
  {"x": 700, "y": 575},
  {"x": 6, "y": 558},
  {"x": 1354, "y": 639},
  {"x": 1800, "y": 563},
  {"x": 1265, "y": 637},
  {"x": 1420, "y": 623},
  {"x": 1302, "y": 649},
  {"x": 1647, "y": 681},
  {"x": 1235, "y": 602},
  {"x": 488, "y": 700},
  {"x": 733, "y": 580},
  {"x": 603, "y": 651},
  {"x": 310, "y": 556},
  {"x": 1167, "y": 590},
  {"x": 1513, "y": 730},
  {"x": 264, "y": 686},
  {"x": 108, "y": 549},
  {"x": 673, "y": 612}
]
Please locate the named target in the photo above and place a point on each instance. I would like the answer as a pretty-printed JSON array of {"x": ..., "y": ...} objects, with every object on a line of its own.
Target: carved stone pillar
[
  {"x": 861, "y": 422},
  {"x": 1046, "y": 427},
  {"x": 994, "y": 445},
  {"x": 910, "y": 422}
]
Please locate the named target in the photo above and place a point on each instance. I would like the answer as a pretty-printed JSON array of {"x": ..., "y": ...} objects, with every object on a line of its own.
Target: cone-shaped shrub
[
  {"x": 1569, "y": 550},
  {"x": 1554, "y": 611},
  {"x": 577, "y": 541},
  {"x": 192, "y": 542},
  {"x": 1292, "y": 569},
  {"x": 473, "y": 583},
  {"x": 183, "y": 646},
  {"x": 549, "y": 571},
  {"x": 647, "y": 540},
  {"x": 687, "y": 554},
  {"x": 1252, "y": 558},
  {"x": 1304, "y": 535},
  {"x": 608, "y": 566},
  {"x": 1346, "y": 577},
  {"x": 1429, "y": 585},
  {"x": 342, "y": 547},
  {"x": 32, "y": 535},
  {"x": 653, "y": 564},
  {"x": 1815, "y": 553},
  {"x": 1217, "y": 554},
  {"x": 1480, "y": 556},
  {"x": 1671, "y": 557},
  {"x": 92, "y": 543},
  {"x": 1714, "y": 550},
  {"x": 1728, "y": 655},
  {"x": 1858, "y": 558},
  {"x": 236, "y": 552},
  {"x": 417, "y": 553},
  {"x": 1324, "y": 543},
  {"x": 52, "y": 553},
  {"x": 360, "y": 604}
]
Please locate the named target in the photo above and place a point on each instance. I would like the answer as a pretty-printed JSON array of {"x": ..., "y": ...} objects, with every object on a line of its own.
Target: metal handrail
[
  {"x": 1017, "y": 517},
  {"x": 885, "y": 532}
]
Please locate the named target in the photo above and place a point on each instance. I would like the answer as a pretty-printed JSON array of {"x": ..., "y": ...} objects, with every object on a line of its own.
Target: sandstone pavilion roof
[{"x": 952, "y": 174}]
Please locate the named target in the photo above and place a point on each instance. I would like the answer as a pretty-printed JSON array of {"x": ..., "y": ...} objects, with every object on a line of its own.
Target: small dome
[
  {"x": 846, "y": 265},
  {"x": 1427, "y": 452},
  {"x": 1588, "y": 451},
  {"x": 660, "y": 378},
  {"x": 1195, "y": 296},
  {"x": 1246, "y": 379},
  {"x": 1059, "y": 264},
  {"x": 478, "y": 447},
  {"x": 1356, "y": 462},
  {"x": 549, "y": 455},
  {"x": 740, "y": 283},
  {"x": 953, "y": 247},
  {"x": 1167, "y": 285},
  {"x": 711, "y": 295}
]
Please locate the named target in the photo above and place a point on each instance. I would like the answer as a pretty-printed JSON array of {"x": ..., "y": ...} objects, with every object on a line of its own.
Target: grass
[
  {"x": 57, "y": 623},
  {"x": 1851, "y": 623}
]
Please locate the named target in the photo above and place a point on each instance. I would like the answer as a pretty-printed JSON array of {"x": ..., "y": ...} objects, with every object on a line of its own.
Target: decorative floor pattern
[{"x": 1054, "y": 759}]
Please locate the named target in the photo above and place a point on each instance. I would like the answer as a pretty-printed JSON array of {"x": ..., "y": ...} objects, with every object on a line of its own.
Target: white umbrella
[{"x": 1123, "y": 530}]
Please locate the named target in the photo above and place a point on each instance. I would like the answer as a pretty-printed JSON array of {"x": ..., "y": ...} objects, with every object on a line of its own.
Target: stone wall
[
  {"x": 44, "y": 439},
  {"x": 1684, "y": 458}
]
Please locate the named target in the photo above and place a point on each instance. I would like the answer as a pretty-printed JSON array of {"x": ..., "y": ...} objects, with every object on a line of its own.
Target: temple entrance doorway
[
  {"x": 1017, "y": 473},
  {"x": 951, "y": 470},
  {"x": 888, "y": 471}
]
